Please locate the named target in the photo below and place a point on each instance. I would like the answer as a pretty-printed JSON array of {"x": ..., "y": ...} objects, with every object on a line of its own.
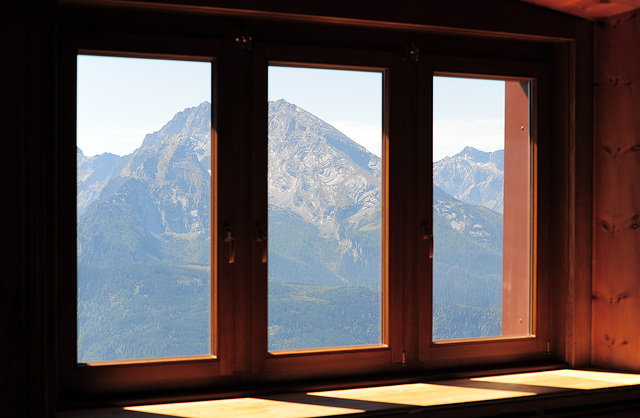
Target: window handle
[
  {"x": 427, "y": 234},
  {"x": 262, "y": 237},
  {"x": 229, "y": 239}
]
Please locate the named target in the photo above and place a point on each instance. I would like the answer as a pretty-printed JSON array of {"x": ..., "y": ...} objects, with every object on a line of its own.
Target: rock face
[
  {"x": 151, "y": 201},
  {"x": 193, "y": 124},
  {"x": 318, "y": 173},
  {"x": 473, "y": 176},
  {"x": 93, "y": 174},
  {"x": 476, "y": 222}
]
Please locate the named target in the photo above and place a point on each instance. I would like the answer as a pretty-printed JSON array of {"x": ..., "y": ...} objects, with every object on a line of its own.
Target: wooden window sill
[{"x": 555, "y": 392}]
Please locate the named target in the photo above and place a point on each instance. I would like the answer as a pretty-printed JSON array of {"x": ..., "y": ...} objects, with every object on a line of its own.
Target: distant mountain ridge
[{"x": 473, "y": 176}]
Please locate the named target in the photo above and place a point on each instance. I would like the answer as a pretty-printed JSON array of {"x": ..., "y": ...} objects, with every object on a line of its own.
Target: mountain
[
  {"x": 193, "y": 124},
  {"x": 144, "y": 246},
  {"x": 467, "y": 262},
  {"x": 324, "y": 190},
  {"x": 93, "y": 174},
  {"x": 319, "y": 173},
  {"x": 144, "y": 243},
  {"x": 153, "y": 201},
  {"x": 473, "y": 176}
]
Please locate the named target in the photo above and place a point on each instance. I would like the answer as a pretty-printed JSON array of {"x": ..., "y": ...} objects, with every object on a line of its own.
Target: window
[
  {"x": 481, "y": 208},
  {"x": 139, "y": 305},
  {"x": 143, "y": 207},
  {"x": 325, "y": 213},
  {"x": 322, "y": 294},
  {"x": 487, "y": 122},
  {"x": 280, "y": 223}
]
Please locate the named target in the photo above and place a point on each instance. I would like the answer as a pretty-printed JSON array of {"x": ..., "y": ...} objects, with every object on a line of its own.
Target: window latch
[
  {"x": 427, "y": 234},
  {"x": 262, "y": 238},
  {"x": 229, "y": 239}
]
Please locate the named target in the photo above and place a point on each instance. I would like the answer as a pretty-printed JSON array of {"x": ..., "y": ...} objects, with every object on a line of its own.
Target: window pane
[
  {"x": 325, "y": 213},
  {"x": 481, "y": 208},
  {"x": 143, "y": 208}
]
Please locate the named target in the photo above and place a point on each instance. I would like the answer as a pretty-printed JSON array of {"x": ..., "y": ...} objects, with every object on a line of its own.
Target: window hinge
[
  {"x": 413, "y": 53},
  {"x": 404, "y": 359},
  {"x": 548, "y": 351},
  {"x": 243, "y": 40}
]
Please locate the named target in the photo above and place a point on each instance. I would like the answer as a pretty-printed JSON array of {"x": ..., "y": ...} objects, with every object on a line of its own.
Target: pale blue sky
[
  {"x": 467, "y": 112},
  {"x": 120, "y": 100},
  {"x": 351, "y": 101}
]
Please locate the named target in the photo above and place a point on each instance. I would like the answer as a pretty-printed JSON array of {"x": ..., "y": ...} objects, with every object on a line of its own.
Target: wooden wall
[{"x": 616, "y": 277}]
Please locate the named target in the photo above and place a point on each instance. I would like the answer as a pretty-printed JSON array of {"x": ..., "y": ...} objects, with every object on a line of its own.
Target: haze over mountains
[{"x": 144, "y": 230}]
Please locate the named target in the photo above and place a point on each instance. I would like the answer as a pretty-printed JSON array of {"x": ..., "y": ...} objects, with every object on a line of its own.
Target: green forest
[
  {"x": 142, "y": 311},
  {"x": 298, "y": 254},
  {"x": 145, "y": 311}
]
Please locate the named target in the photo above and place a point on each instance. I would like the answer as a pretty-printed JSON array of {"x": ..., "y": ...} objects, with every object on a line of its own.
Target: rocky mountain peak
[
  {"x": 193, "y": 123},
  {"x": 473, "y": 176},
  {"x": 292, "y": 123},
  {"x": 319, "y": 173}
]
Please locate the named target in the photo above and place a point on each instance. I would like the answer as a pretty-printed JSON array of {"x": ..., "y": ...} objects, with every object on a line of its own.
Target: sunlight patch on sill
[
  {"x": 400, "y": 398},
  {"x": 244, "y": 407}
]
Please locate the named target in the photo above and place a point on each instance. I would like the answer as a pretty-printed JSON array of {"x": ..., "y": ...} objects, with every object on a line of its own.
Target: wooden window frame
[
  {"x": 240, "y": 140},
  {"x": 112, "y": 378},
  {"x": 337, "y": 361},
  {"x": 451, "y": 353}
]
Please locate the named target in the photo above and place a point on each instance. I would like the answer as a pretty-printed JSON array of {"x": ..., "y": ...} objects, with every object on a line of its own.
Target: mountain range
[
  {"x": 473, "y": 176},
  {"x": 144, "y": 230}
]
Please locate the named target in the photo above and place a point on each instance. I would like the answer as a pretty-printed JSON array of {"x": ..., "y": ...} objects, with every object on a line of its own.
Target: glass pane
[
  {"x": 481, "y": 208},
  {"x": 325, "y": 215},
  {"x": 143, "y": 208}
]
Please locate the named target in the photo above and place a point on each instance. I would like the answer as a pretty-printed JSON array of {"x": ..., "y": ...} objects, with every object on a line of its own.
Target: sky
[
  {"x": 466, "y": 111},
  {"x": 351, "y": 101},
  {"x": 120, "y": 100}
]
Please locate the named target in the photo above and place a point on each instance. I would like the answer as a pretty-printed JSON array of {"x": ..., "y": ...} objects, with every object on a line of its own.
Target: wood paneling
[
  {"x": 616, "y": 281},
  {"x": 495, "y": 18},
  {"x": 590, "y": 9},
  {"x": 572, "y": 293}
]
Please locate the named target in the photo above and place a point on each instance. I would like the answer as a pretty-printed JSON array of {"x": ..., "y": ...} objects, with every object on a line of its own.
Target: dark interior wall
[
  {"x": 12, "y": 39},
  {"x": 616, "y": 279},
  {"x": 27, "y": 88}
]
